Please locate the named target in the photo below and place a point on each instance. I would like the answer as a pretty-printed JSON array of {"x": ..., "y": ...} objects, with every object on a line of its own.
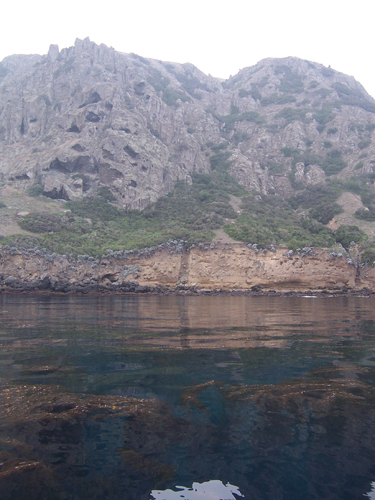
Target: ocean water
[{"x": 156, "y": 397}]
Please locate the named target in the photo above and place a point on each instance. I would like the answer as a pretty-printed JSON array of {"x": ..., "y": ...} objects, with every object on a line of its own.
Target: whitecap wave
[{"x": 210, "y": 490}]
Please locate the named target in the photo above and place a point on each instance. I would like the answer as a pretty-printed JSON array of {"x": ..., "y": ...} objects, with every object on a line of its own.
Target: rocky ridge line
[{"x": 88, "y": 116}]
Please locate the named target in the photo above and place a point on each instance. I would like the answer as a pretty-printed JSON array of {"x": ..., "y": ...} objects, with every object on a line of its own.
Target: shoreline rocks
[{"x": 172, "y": 268}]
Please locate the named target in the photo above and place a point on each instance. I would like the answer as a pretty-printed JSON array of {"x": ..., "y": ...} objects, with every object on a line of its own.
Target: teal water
[{"x": 131, "y": 397}]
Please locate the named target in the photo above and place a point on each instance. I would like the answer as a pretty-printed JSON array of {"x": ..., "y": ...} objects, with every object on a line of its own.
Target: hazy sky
[{"x": 218, "y": 37}]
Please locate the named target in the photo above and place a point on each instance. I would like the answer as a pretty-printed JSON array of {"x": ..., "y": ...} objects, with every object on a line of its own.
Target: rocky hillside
[
  {"x": 102, "y": 150},
  {"x": 88, "y": 116}
]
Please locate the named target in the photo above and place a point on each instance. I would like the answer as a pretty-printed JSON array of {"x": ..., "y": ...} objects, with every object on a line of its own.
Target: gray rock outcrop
[{"x": 88, "y": 116}]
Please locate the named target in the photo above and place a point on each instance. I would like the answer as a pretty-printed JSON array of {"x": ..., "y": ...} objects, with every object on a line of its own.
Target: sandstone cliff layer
[{"x": 173, "y": 268}]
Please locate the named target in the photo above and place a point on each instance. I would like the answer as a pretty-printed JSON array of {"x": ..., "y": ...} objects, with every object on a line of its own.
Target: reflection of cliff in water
[
  {"x": 230, "y": 321},
  {"x": 175, "y": 312},
  {"x": 305, "y": 438}
]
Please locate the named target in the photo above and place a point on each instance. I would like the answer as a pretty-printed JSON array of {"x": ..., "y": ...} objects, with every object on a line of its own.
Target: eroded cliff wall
[{"x": 171, "y": 267}]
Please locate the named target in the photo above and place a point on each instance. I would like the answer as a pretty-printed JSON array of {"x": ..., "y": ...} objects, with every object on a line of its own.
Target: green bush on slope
[
  {"x": 190, "y": 213},
  {"x": 273, "y": 221}
]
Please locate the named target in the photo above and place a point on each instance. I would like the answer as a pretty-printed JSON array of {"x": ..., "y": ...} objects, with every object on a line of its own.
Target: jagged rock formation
[{"x": 88, "y": 116}]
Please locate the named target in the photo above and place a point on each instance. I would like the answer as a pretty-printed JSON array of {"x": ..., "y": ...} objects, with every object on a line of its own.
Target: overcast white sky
[{"x": 218, "y": 37}]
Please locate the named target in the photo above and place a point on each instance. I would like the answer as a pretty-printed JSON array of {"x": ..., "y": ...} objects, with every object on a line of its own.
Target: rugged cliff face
[
  {"x": 173, "y": 268},
  {"x": 88, "y": 116}
]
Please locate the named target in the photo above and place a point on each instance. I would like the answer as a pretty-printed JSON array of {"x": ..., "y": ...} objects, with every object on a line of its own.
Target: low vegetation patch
[
  {"x": 93, "y": 225},
  {"x": 236, "y": 116},
  {"x": 319, "y": 200},
  {"x": 291, "y": 82},
  {"x": 292, "y": 114},
  {"x": 333, "y": 162},
  {"x": 368, "y": 256},
  {"x": 346, "y": 235},
  {"x": 270, "y": 220},
  {"x": 35, "y": 190},
  {"x": 363, "y": 185}
]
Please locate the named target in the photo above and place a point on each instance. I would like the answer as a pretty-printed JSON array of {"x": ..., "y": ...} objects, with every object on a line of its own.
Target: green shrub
[
  {"x": 141, "y": 59},
  {"x": 240, "y": 137},
  {"x": 368, "y": 256},
  {"x": 252, "y": 116},
  {"x": 106, "y": 194},
  {"x": 288, "y": 151},
  {"x": 323, "y": 92},
  {"x": 358, "y": 102},
  {"x": 254, "y": 93},
  {"x": 35, "y": 190},
  {"x": 343, "y": 89},
  {"x": 332, "y": 131},
  {"x": 365, "y": 143},
  {"x": 157, "y": 80},
  {"x": 333, "y": 163},
  {"x": 291, "y": 83},
  {"x": 219, "y": 161},
  {"x": 357, "y": 127},
  {"x": 353, "y": 97},
  {"x": 306, "y": 157},
  {"x": 275, "y": 168},
  {"x": 364, "y": 214},
  {"x": 42, "y": 223},
  {"x": 327, "y": 72},
  {"x": 271, "y": 221},
  {"x": 273, "y": 128},
  {"x": 219, "y": 147},
  {"x": 2, "y": 204},
  {"x": 232, "y": 119},
  {"x": 320, "y": 199},
  {"x": 319, "y": 193},
  {"x": 359, "y": 185},
  {"x": 171, "y": 96},
  {"x": 189, "y": 82},
  {"x": 324, "y": 115},
  {"x": 263, "y": 82},
  {"x": 324, "y": 212},
  {"x": 292, "y": 114},
  {"x": 95, "y": 208},
  {"x": 346, "y": 234},
  {"x": 297, "y": 185},
  {"x": 310, "y": 158}
]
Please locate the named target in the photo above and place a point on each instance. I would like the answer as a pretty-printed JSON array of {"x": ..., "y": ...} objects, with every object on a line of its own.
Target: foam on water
[{"x": 210, "y": 490}]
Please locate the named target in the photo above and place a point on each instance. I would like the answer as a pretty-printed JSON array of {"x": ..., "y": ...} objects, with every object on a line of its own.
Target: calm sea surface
[{"x": 189, "y": 398}]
